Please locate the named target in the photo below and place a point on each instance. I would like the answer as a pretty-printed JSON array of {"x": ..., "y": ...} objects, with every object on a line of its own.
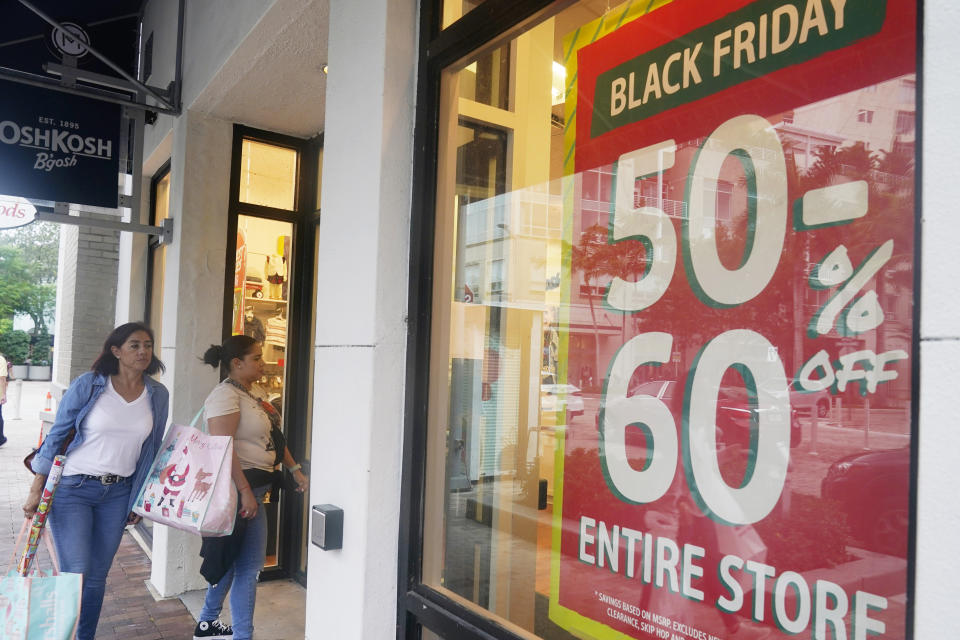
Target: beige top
[{"x": 252, "y": 442}]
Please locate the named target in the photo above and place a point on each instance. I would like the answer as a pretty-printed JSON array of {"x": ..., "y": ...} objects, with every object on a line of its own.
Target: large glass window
[
  {"x": 156, "y": 263},
  {"x": 453, "y": 10},
  {"x": 268, "y": 175},
  {"x": 262, "y": 312},
  {"x": 670, "y": 384},
  {"x": 160, "y": 210}
]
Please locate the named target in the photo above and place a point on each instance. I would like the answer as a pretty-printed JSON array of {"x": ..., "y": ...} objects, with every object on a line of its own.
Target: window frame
[
  {"x": 153, "y": 245},
  {"x": 299, "y": 365},
  {"x": 487, "y": 27}
]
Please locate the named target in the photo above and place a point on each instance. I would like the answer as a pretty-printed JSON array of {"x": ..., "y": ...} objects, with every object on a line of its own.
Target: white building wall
[
  {"x": 192, "y": 305},
  {"x": 362, "y": 276},
  {"x": 198, "y": 147},
  {"x": 132, "y": 260},
  {"x": 938, "y": 514},
  {"x": 66, "y": 294},
  {"x": 132, "y": 270},
  {"x": 213, "y": 29}
]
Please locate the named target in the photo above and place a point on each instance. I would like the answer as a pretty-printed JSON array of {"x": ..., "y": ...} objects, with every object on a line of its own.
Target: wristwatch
[{"x": 295, "y": 467}]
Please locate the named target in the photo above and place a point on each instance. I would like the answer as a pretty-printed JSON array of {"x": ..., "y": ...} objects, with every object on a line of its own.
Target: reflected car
[
  {"x": 735, "y": 418},
  {"x": 559, "y": 397},
  {"x": 873, "y": 489},
  {"x": 666, "y": 391},
  {"x": 810, "y": 401},
  {"x": 734, "y": 414}
]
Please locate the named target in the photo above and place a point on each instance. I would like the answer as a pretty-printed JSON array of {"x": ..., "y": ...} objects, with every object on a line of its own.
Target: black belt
[{"x": 110, "y": 478}]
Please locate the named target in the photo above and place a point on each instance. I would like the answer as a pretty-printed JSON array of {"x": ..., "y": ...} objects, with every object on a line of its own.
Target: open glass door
[{"x": 270, "y": 298}]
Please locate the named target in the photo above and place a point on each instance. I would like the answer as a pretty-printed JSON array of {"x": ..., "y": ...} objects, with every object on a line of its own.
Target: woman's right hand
[
  {"x": 33, "y": 496},
  {"x": 32, "y": 504},
  {"x": 248, "y": 504}
]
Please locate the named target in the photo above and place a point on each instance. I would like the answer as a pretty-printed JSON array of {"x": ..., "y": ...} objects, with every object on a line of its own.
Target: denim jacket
[{"x": 77, "y": 401}]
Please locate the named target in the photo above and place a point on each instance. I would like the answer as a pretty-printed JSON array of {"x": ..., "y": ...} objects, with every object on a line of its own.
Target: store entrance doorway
[{"x": 269, "y": 296}]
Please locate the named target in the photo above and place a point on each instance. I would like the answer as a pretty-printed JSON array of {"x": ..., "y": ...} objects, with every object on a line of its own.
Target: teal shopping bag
[
  {"x": 40, "y": 606},
  {"x": 14, "y": 606}
]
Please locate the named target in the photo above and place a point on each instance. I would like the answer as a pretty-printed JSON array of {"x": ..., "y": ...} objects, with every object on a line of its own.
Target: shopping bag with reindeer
[{"x": 189, "y": 486}]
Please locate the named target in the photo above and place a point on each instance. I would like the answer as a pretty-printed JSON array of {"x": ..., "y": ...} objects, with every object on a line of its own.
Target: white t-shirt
[
  {"x": 252, "y": 442},
  {"x": 113, "y": 434}
]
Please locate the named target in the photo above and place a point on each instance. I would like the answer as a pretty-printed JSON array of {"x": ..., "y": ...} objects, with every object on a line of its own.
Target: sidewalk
[{"x": 129, "y": 610}]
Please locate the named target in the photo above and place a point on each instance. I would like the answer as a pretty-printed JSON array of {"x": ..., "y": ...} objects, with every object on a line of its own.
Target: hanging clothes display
[
  {"x": 277, "y": 331},
  {"x": 276, "y": 272},
  {"x": 253, "y": 326}
]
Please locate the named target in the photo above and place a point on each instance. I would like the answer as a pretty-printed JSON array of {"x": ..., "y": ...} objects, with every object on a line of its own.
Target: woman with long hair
[
  {"x": 112, "y": 420},
  {"x": 238, "y": 407}
]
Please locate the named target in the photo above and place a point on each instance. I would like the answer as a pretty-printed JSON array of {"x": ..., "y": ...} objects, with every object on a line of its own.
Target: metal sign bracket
[{"x": 163, "y": 231}]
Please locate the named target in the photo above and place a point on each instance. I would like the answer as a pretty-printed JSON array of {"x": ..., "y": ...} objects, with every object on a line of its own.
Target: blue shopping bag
[{"x": 40, "y": 605}]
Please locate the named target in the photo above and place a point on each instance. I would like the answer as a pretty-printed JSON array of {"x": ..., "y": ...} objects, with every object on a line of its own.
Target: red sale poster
[{"x": 740, "y": 217}]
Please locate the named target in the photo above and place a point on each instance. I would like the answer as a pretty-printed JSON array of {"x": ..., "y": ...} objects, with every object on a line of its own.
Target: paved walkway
[{"x": 129, "y": 610}]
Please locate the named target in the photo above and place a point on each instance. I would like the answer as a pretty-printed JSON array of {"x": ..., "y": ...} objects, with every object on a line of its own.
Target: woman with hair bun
[
  {"x": 110, "y": 423},
  {"x": 238, "y": 407}
]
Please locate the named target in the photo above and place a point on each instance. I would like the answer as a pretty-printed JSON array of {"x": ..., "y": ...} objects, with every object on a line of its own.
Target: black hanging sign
[{"x": 59, "y": 147}]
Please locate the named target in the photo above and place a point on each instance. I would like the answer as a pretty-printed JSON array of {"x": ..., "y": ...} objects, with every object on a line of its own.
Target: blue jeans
[
  {"x": 242, "y": 576},
  {"x": 87, "y": 520}
]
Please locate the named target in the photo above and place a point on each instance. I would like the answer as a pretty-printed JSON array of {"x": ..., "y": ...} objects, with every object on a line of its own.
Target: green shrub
[
  {"x": 41, "y": 351},
  {"x": 813, "y": 535},
  {"x": 15, "y": 345}
]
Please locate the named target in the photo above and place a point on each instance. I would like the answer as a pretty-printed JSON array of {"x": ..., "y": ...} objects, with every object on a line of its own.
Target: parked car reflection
[
  {"x": 736, "y": 412},
  {"x": 871, "y": 488},
  {"x": 810, "y": 401},
  {"x": 560, "y": 397}
]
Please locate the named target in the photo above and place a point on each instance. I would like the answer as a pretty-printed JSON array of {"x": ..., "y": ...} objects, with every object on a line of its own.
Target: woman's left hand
[
  {"x": 302, "y": 481},
  {"x": 133, "y": 518}
]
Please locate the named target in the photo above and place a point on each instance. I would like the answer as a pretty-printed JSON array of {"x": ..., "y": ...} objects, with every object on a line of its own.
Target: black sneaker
[{"x": 212, "y": 630}]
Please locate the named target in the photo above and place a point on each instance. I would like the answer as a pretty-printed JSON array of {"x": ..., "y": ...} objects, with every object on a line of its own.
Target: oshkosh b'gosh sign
[{"x": 59, "y": 147}]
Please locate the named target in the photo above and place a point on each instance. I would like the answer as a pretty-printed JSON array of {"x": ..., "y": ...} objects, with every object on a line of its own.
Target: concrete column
[
  {"x": 937, "y": 514},
  {"x": 132, "y": 272},
  {"x": 361, "y": 314},
  {"x": 192, "y": 305},
  {"x": 86, "y": 296}
]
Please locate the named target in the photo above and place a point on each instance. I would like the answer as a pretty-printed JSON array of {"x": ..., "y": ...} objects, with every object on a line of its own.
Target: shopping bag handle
[
  {"x": 45, "y": 536},
  {"x": 16, "y": 545},
  {"x": 50, "y": 549},
  {"x": 203, "y": 425}
]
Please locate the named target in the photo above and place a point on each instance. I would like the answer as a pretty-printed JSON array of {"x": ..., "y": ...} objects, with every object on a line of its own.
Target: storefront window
[
  {"x": 670, "y": 388},
  {"x": 261, "y": 297},
  {"x": 268, "y": 175},
  {"x": 270, "y": 296},
  {"x": 486, "y": 80},
  {"x": 156, "y": 261},
  {"x": 453, "y": 10},
  {"x": 157, "y": 255}
]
